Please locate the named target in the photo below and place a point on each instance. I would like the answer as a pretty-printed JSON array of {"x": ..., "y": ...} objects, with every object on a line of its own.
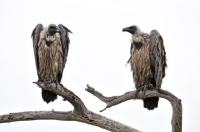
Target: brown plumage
[
  {"x": 148, "y": 61},
  {"x": 51, "y": 46}
]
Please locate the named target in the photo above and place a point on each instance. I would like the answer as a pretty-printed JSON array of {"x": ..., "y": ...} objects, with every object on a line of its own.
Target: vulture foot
[
  {"x": 56, "y": 82},
  {"x": 143, "y": 89},
  {"x": 45, "y": 81}
]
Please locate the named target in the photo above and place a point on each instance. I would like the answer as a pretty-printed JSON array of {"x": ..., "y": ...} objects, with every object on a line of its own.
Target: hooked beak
[
  {"x": 126, "y": 29},
  {"x": 57, "y": 30}
]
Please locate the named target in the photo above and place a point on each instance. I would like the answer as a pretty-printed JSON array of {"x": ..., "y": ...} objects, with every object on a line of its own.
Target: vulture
[
  {"x": 148, "y": 62},
  {"x": 50, "y": 45}
]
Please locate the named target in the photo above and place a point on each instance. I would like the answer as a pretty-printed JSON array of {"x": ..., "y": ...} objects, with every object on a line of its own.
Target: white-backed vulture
[
  {"x": 51, "y": 45},
  {"x": 148, "y": 62}
]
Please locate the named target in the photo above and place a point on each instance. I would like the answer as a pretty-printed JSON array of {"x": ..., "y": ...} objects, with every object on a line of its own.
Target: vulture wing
[
  {"x": 36, "y": 37},
  {"x": 157, "y": 57},
  {"x": 65, "y": 45}
]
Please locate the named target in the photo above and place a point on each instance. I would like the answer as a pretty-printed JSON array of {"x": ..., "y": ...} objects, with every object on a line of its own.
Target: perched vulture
[
  {"x": 51, "y": 45},
  {"x": 148, "y": 62}
]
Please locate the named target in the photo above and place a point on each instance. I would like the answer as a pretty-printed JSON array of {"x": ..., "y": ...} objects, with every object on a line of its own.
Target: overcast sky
[{"x": 97, "y": 56}]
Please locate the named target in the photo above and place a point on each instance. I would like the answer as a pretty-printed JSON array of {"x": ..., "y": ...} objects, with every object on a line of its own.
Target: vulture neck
[
  {"x": 138, "y": 45},
  {"x": 50, "y": 39}
]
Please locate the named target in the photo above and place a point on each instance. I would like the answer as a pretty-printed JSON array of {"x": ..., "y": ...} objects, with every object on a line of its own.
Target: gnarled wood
[
  {"x": 91, "y": 118},
  {"x": 80, "y": 112},
  {"x": 115, "y": 100}
]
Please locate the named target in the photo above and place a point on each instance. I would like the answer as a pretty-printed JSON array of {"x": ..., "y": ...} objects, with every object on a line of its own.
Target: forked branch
[
  {"x": 80, "y": 112},
  {"x": 115, "y": 100}
]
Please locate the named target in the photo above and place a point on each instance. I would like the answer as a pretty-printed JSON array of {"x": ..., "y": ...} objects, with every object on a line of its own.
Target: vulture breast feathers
[
  {"x": 148, "y": 61},
  {"x": 51, "y": 45}
]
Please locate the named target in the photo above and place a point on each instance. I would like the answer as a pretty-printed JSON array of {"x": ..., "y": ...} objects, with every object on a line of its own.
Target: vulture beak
[
  {"x": 126, "y": 29},
  {"x": 57, "y": 30},
  {"x": 129, "y": 29}
]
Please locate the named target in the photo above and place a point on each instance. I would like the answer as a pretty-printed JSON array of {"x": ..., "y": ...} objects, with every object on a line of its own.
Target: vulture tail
[
  {"x": 151, "y": 103},
  {"x": 48, "y": 96}
]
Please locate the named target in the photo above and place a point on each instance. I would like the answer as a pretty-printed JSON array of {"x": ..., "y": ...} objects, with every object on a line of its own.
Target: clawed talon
[
  {"x": 56, "y": 82},
  {"x": 143, "y": 89},
  {"x": 150, "y": 86},
  {"x": 44, "y": 81},
  {"x": 47, "y": 82},
  {"x": 61, "y": 85}
]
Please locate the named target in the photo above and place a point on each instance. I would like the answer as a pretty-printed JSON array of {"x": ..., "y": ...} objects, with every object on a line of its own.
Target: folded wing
[
  {"x": 36, "y": 37},
  {"x": 157, "y": 57}
]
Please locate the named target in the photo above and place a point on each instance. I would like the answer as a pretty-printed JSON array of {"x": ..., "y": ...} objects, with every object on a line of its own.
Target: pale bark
[
  {"x": 81, "y": 114},
  {"x": 115, "y": 100}
]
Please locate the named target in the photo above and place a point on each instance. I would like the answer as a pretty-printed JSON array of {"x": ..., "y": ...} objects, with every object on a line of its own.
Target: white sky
[{"x": 98, "y": 54}]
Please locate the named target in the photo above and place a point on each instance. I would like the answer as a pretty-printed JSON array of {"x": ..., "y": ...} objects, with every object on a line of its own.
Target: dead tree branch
[
  {"x": 80, "y": 112},
  {"x": 115, "y": 100}
]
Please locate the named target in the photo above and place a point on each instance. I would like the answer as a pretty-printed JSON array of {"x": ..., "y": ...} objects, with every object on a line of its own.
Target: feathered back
[
  {"x": 157, "y": 56},
  {"x": 35, "y": 38},
  {"x": 65, "y": 41}
]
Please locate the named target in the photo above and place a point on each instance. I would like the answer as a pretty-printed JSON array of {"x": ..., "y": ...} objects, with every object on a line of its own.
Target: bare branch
[
  {"x": 115, "y": 100},
  {"x": 66, "y": 94},
  {"x": 80, "y": 112},
  {"x": 91, "y": 118},
  {"x": 35, "y": 115}
]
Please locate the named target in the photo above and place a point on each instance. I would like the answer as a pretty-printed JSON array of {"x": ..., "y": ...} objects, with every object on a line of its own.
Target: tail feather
[
  {"x": 151, "y": 103},
  {"x": 48, "y": 96}
]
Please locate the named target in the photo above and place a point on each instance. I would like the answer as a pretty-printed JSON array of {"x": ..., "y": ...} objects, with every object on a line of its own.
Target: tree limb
[
  {"x": 115, "y": 100},
  {"x": 80, "y": 112},
  {"x": 90, "y": 118},
  {"x": 66, "y": 94}
]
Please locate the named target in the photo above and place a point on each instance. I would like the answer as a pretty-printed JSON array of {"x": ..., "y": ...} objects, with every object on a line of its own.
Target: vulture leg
[{"x": 143, "y": 89}]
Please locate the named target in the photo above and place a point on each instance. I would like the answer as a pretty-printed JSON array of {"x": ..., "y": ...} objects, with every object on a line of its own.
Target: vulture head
[
  {"x": 132, "y": 29},
  {"x": 52, "y": 29}
]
